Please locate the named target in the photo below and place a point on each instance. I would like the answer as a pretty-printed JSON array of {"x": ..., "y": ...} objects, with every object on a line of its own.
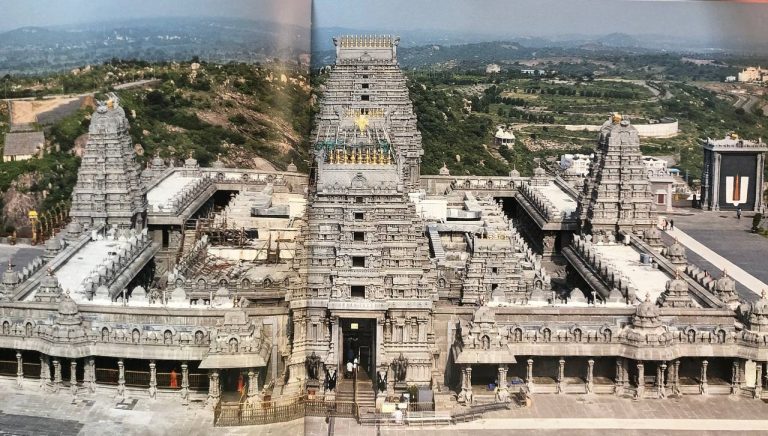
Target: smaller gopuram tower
[
  {"x": 108, "y": 189},
  {"x": 617, "y": 195}
]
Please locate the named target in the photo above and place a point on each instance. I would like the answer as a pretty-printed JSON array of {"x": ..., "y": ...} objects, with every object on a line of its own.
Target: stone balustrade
[
  {"x": 108, "y": 270},
  {"x": 611, "y": 276},
  {"x": 183, "y": 198},
  {"x": 30, "y": 269}
]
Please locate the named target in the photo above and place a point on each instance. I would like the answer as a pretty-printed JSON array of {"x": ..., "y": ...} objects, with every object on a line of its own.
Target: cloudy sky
[
  {"x": 20, "y": 13},
  {"x": 708, "y": 20}
]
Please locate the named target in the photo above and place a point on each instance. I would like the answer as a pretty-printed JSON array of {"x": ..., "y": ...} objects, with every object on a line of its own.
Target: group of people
[
  {"x": 351, "y": 367},
  {"x": 352, "y": 356}
]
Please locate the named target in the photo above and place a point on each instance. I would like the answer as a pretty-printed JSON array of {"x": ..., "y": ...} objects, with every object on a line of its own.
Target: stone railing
[
  {"x": 529, "y": 255},
  {"x": 544, "y": 205},
  {"x": 611, "y": 276},
  {"x": 700, "y": 276},
  {"x": 108, "y": 270},
  {"x": 183, "y": 198},
  {"x": 480, "y": 183},
  {"x": 30, "y": 269}
]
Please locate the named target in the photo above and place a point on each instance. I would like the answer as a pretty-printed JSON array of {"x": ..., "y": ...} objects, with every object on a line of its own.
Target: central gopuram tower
[
  {"x": 617, "y": 194},
  {"x": 364, "y": 286}
]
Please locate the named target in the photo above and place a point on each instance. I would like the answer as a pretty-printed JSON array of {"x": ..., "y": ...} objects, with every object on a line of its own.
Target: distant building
[
  {"x": 752, "y": 74},
  {"x": 577, "y": 164},
  {"x": 729, "y": 79},
  {"x": 492, "y": 68},
  {"x": 22, "y": 145},
  {"x": 732, "y": 176},
  {"x": 528, "y": 71},
  {"x": 504, "y": 136},
  {"x": 662, "y": 182}
]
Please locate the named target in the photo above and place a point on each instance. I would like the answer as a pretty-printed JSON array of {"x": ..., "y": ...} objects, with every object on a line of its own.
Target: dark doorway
[
  {"x": 359, "y": 339},
  {"x": 234, "y": 383}
]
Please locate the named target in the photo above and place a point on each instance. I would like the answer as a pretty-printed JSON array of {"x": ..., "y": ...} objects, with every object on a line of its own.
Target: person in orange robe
[
  {"x": 240, "y": 383},
  {"x": 174, "y": 383}
]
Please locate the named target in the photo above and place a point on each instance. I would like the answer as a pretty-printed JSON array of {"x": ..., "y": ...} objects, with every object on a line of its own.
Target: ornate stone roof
[
  {"x": 676, "y": 294},
  {"x": 755, "y": 314},
  {"x": 725, "y": 289},
  {"x": 68, "y": 313},
  {"x": 10, "y": 277},
  {"x": 646, "y": 314},
  {"x": 49, "y": 289}
]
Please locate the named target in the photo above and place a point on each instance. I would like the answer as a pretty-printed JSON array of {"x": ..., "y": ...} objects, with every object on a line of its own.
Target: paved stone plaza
[
  {"x": 20, "y": 255},
  {"x": 34, "y": 413},
  {"x": 728, "y": 237}
]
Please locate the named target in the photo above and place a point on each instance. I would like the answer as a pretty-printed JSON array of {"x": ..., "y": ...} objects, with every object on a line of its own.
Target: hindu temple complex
[{"x": 236, "y": 286}]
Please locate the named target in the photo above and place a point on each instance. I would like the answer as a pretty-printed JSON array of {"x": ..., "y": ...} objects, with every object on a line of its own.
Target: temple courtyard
[
  {"x": 717, "y": 240},
  {"x": 36, "y": 413}
]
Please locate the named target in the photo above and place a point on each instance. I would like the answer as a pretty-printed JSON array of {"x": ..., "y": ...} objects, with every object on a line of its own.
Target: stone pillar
[
  {"x": 214, "y": 392},
  {"x": 716, "y": 182},
  {"x": 379, "y": 352},
  {"x": 45, "y": 371},
  {"x": 333, "y": 349},
  {"x": 253, "y": 385},
  {"x": 184, "y": 383},
  {"x": 758, "y": 379},
  {"x": 19, "y": 370},
  {"x": 120, "y": 378},
  {"x": 660, "y": 380},
  {"x": 735, "y": 373},
  {"x": 703, "y": 385},
  {"x": 465, "y": 396},
  {"x": 529, "y": 376},
  {"x": 73, "y": 376},
  {"x": 560, "y": 376},
  {"x": 759, "y": 182},
  {"x": 618, "y": 386},
  {"x": 625, "y": 374},
  {"x": 152, "y": 379},
  {"x": 56, "y": 374},
  {"x": 676, "y": 378},
  {"x": 590, "y": 375},
  {"x": 90, "y": 374},
  {"x": 640, "y": 381},
  {"x": 422, "y": 332},
  {"x": 503, "y": 392}
]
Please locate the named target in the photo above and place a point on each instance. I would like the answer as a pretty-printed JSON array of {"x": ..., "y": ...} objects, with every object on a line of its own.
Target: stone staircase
[
  {"x": 437, "y": 245},
  {"x": 188, "y": 243},
  {"x": 366, "y": 398}
]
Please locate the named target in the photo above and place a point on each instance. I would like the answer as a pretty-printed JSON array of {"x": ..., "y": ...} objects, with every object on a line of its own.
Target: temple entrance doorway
[
  {"x": 234, "y": 384},
  {"x": 359, "y": 342}
]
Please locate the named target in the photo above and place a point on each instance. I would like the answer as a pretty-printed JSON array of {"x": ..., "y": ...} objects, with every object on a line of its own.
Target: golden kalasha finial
[{"x": 616, "y": 118}]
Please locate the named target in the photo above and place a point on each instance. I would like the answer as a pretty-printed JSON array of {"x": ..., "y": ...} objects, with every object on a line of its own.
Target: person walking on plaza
[
  {"x": 738, "y": 212},
  {"x": 672, "y": 224}
]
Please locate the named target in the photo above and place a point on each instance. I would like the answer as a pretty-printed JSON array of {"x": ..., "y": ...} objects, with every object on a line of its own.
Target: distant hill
[{"x": 35, "y": 50}]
